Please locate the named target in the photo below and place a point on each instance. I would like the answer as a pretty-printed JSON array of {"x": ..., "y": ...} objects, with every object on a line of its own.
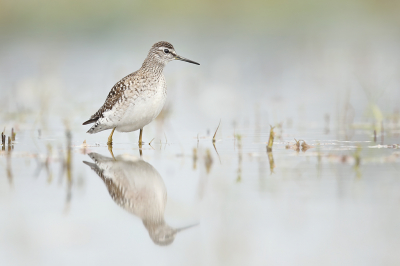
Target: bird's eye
[{"x": 166, "y": 51}]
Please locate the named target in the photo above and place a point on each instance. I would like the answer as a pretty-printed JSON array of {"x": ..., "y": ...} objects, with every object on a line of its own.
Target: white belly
[{"x": 141, "y": 112}]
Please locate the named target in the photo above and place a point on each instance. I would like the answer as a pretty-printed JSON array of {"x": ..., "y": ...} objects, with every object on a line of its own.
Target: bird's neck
[{"x": 153, "y": 67}]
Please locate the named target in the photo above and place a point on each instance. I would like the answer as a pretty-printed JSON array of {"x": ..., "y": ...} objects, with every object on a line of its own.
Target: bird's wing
[{"x": 113, "y": 97}]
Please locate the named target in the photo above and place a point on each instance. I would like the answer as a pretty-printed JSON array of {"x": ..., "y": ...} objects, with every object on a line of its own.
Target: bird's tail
[
  {"x": 97, "y": 127},
  {"x": 90, "y": 121}
]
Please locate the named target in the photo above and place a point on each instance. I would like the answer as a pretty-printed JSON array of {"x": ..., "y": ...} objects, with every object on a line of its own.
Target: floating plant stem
[
  {"x": 215, "y": 134},
  {"x": 271, "y": 139},
  {"x": 13, "y": 134},
  {"x": 269, "y": 150}
]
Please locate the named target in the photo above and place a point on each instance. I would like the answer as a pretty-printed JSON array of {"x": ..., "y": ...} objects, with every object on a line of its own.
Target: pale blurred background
[
  {"x": 281, "y": 56},
  {"x": 324, "y": 71}
]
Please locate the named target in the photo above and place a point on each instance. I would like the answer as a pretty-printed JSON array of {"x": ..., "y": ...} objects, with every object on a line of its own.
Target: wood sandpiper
[{"x": 137, "y": 99}]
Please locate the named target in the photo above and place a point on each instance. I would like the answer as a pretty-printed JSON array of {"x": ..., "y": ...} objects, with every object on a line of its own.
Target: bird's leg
[
  {"x": 140, "y": 137},
  {"x": 140, "y": 142},
  {"x": 109, "y": 142}
]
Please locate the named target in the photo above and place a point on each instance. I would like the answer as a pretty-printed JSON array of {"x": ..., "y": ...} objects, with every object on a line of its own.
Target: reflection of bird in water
[{"x": 137, "y": 187}]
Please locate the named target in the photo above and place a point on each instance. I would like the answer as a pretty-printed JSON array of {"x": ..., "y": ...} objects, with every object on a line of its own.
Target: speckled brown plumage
[{"x": 113, "y": 97}]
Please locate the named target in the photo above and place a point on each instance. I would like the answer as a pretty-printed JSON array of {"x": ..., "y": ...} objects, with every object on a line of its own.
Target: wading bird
[{"x": 137, "y": 99}]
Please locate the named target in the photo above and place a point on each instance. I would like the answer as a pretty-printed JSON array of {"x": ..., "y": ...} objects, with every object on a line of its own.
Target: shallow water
[{"x": 247, "y": 206}]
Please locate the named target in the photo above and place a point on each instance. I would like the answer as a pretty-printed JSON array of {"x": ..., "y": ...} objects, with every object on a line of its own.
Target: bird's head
[
  {"x": 161, "y": 233},
  {"x": 164, "y": 52}
]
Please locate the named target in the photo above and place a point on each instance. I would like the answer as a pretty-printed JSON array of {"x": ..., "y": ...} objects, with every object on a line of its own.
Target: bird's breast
[{"x": 143, "y": 107}]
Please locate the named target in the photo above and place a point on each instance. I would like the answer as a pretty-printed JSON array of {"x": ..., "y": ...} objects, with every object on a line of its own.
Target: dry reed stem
[
  {"x": 216, "y": 131},
  {"x": 271, "y": 139},
  {"x": 151, "y": 141}
]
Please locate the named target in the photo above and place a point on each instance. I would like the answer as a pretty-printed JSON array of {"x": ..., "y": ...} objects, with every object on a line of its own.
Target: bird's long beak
[
  {"x": 184, "y": 228},
  {"x": 178, "y": 57}
]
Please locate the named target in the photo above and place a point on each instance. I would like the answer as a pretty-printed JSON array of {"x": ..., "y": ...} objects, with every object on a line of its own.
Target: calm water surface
[{"x": 182, "y": 203}]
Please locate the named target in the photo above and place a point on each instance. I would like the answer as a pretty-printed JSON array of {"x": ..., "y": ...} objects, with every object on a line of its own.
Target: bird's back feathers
[{"x": 113, "y": 97}]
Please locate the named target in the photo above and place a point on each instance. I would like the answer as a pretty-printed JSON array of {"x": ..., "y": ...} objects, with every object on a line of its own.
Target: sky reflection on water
[{"x": 249, "y": 205}]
